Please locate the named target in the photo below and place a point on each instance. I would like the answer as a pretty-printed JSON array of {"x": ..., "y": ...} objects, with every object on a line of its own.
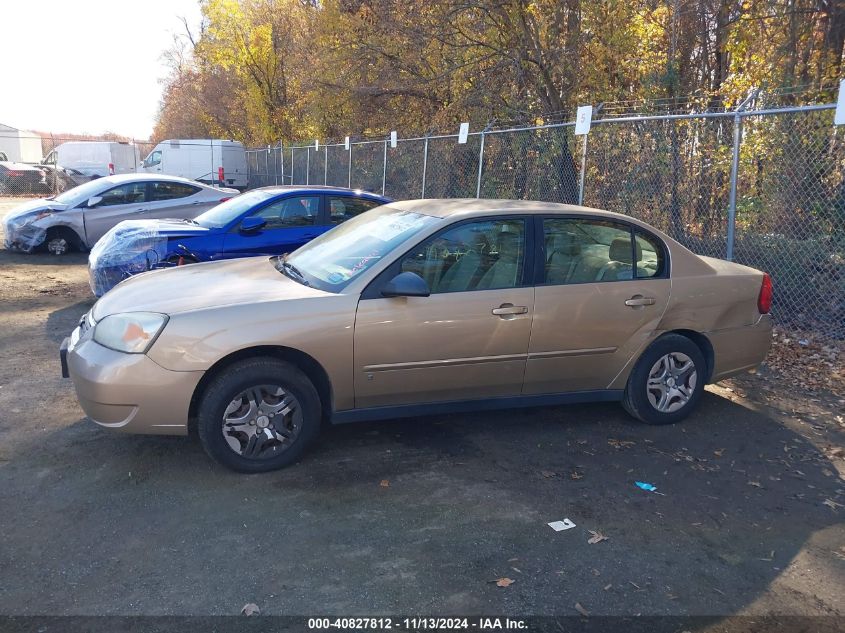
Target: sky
[{"x": 87, "y": 66}]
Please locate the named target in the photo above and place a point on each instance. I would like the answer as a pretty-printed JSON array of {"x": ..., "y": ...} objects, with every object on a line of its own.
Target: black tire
[
  {"x": 72, "y": 241},
  {"x": 234, "y": 380},
  {"x": 636, "y": 399}
]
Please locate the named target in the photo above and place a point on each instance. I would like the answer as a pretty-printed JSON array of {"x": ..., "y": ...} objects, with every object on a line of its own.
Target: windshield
[
  {"x": 334, "y": 259},
  {"x": 78, "y": 194},
  {"x": 221, "y": 215}
]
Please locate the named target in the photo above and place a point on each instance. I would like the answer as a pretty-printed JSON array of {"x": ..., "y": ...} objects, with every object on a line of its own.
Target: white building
[{"x": 19, "y": 145}]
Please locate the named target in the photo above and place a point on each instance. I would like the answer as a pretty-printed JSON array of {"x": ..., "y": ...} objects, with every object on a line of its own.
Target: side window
[
  {"x": 651, "y": 260},
  {"x": 130, "y": 193},
  {"x": 342, "y": 208},
  {"x": 162, "y": 190},
  {"x": 473, "y": 256},
  {"x": 154, "y": 159},
  {"x": 291, "y": 212},
  {"x": 583, "y": 251}
]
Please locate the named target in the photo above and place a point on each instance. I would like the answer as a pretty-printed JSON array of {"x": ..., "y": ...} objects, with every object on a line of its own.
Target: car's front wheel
[
  {"x": 667, "y": 381},
  {"x": 258, "y": 415}
]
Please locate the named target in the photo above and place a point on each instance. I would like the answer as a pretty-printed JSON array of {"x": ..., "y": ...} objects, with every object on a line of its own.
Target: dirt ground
[{"x": 417, "y": 516}]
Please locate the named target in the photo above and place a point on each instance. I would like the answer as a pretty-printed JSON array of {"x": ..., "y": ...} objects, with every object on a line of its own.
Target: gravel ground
[{"x": 417, "y": 516}]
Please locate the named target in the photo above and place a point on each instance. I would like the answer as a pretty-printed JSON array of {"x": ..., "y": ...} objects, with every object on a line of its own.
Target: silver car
[{"x": 79, "y": 217}]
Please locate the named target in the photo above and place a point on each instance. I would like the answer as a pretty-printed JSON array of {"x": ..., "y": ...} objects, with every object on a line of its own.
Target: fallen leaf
[
  {"x": 620, "y": 443},
  {"x": 756, "y": 484},
  {"x": 548, "y": 474},
  {"x": 576, "y": 475},
  {"x": 719, "y": 453},
  {"x": 504, "y": 582},
  {"x": 832, "y": 504},
  {"x": 581, "y": 610},
  {"x": 250, "y": 608},
  {"x": 385, "y": 483},
  {"x": 597, "y": 537}
]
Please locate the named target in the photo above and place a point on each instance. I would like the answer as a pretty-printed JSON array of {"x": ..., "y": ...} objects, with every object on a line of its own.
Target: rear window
[{"x": 162, "y": 190}]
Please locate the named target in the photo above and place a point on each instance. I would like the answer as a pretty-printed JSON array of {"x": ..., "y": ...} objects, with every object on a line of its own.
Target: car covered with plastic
[
  {"x": 267, "y": 221},
  {"x": 77, "y": 218}
]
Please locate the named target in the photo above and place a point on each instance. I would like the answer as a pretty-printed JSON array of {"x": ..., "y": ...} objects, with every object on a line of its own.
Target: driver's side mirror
[
  {"x": 252, "y": 225},
  {"x": 93, "y": 201},
  {"x": 406, "y": 284}
]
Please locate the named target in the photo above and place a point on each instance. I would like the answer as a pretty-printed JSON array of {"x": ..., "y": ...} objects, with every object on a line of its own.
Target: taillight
[
  {"x": 220, "y": 174},
  {"x": 111, "y": 169},
  {"x": 223, "y": 199},
  {"x": 764, "y": 301}
]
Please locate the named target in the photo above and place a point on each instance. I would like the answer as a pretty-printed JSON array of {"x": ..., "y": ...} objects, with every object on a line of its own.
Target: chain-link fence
[{"x": 762, "y": 187}]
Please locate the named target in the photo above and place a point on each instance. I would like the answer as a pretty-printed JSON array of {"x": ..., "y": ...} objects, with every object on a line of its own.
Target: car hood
[
  {"x": 33, "y": 208},
  {"x": 202, "y": 286},
  {"x": 165, "y": 228}
]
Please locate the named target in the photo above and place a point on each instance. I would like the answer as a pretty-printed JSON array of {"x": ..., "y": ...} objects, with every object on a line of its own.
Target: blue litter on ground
[{"x": 648, "y": 487}]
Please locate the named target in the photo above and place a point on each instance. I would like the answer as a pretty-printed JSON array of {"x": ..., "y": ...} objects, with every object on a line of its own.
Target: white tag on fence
[
  {"x": 839, "y": 117},
  {"x": 394, "y": 139},
  {"x": 463, "y": 133},
  {"x": 316, "y": 145},
  {"x": 583, "y": 119},
  {"x": 346, "y": 143}
]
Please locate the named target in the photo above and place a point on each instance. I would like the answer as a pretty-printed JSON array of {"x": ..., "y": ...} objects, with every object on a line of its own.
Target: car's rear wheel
[
  {"x": 667, "y": 381},
  {"x": 258, "y": 415}
]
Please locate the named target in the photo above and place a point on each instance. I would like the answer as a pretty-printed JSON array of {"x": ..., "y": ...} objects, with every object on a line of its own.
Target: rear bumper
[
  {"x": 130, "y": 392},
  {"x": 736, "y": 350}
]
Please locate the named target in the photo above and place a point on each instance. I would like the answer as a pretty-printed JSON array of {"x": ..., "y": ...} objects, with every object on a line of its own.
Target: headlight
[{"x": 133, "y": 332}]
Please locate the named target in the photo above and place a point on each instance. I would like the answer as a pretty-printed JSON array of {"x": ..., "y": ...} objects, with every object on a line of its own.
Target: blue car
[{"x": 267, "y": 221}]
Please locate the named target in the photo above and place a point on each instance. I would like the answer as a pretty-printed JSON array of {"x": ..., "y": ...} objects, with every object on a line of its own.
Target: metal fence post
[
  {"x": 349, "y": 172},
  {"x": 291, "y": 165},
  {"x": 384, "y": 169},
  {"x": 307, "y": 165},
  {"x": 731, "y": 232},
  {"x": 480, "y": 165},
  {"x": 275, "y": 167},
  {"x": 326, "y": 165},
  {"x": 425, "y": 166},
  {"x": 583, "y": 170}
]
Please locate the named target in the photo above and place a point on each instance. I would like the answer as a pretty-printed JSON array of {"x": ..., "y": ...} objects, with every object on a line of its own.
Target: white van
[
  {"x": 210, "y": 161},
  {"x": 19, "y": 146},
  {"x": 95, "y": 159}
]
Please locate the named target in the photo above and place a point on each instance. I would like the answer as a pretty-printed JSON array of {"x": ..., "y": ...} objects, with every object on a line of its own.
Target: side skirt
[{"x": 465, "y": 406}]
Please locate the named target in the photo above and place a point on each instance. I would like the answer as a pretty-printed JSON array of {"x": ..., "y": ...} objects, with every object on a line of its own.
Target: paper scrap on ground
[{"x": 557, "y": 526}]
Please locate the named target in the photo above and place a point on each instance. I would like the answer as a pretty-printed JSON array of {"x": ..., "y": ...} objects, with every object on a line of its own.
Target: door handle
[
  {"x": 509, "y": 309},
  {"x": 639, "y": 300}
]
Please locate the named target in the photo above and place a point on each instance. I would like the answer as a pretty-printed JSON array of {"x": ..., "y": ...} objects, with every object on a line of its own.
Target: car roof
[
  {"x": 448, "y": 207},
  {"x": 9, "y": 164},
  {"x": 320, "y": 189},
  {"x": 138, "y": 177}
]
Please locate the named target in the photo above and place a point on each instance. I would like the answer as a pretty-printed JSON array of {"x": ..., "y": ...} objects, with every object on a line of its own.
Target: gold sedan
[{"x": 418, "y": 307}]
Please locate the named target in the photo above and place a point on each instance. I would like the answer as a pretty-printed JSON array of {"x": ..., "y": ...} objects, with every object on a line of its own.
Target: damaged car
[
  {"x": 414, "y": 308},
  {"x": 267, "y": 221},
  {"x": 77, "y": 218}
]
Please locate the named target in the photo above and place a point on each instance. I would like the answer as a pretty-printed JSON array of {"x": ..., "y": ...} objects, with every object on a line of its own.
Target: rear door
[
  {"x": 168, "y": 199},
  {"x": 603, "y": 289},
  {"x": 291, "y": 222}
]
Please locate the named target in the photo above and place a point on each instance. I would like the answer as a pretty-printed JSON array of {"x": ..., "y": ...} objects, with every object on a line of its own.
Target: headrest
[
  {"x": 566, "y": 244},
  {"x": 620, "y": 251}
]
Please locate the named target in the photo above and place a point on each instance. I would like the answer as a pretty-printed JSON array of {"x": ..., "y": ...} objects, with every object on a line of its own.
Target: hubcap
[
  {"x": 671, "y": 382},
  {"x": 262, "y": 421},
  {"x": 57, "y": 246}
]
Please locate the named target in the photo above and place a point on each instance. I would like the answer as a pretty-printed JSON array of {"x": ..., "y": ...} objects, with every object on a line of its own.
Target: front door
[
  {"x": 604, "y": 292},
  {"x": 291, "y": 222},
  {"x": 466, "y": 341},
  {"x": 124, "y": 202}
]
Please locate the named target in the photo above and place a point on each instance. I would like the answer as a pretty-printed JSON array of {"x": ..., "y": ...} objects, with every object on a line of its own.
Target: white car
[{"x": 79, "y": 217}]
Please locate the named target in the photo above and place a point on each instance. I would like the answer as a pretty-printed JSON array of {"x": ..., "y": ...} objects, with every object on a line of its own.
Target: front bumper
[
  {"x": 128, "y": 392},
  {"x": 24, "y": 238}
]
